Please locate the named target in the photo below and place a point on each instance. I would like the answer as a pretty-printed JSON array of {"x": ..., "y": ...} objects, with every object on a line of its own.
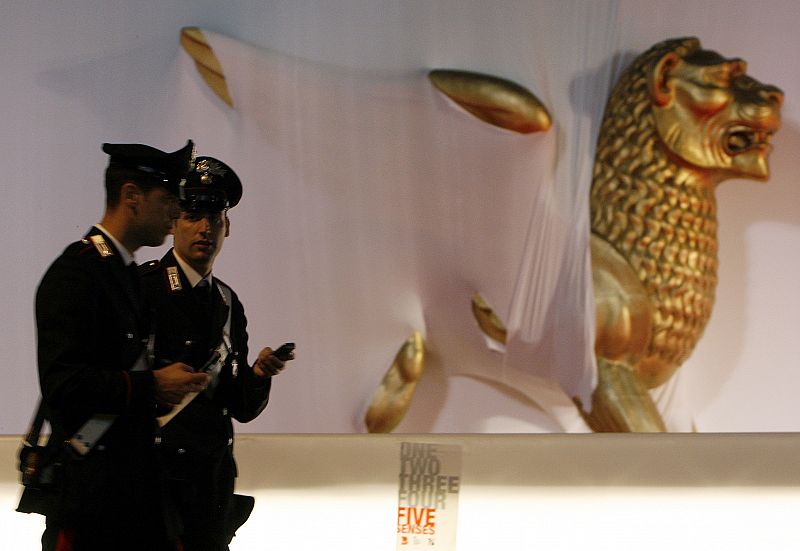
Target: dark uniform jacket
[
  {"x": 197, "y": 443},
  {"x": 91, "y": 328}
]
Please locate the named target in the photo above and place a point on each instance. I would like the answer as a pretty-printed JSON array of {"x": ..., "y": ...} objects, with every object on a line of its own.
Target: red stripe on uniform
[
  {"x": 127, "y": 377},
  {"x": 66, "y": 540}
]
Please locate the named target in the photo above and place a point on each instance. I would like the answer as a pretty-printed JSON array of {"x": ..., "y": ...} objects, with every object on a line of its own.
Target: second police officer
[{"x": 201, "y": 322}]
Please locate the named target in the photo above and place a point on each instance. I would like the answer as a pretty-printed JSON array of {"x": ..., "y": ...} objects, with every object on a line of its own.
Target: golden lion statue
[{"x": 679, "y": 121}]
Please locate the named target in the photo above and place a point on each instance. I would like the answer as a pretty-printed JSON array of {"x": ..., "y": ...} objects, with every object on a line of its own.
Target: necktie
[{"x": 202, "y": 291}]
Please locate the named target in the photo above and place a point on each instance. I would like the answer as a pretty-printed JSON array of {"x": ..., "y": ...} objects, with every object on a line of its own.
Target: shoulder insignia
[
  {"x": 100, "y": 244},
  {"x": 174, "y": 278}
]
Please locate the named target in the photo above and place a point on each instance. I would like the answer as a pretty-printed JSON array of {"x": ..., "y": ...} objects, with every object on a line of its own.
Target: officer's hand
[
  {"x": 268, "y": 364},
  {"x": 175, "y": 381}
]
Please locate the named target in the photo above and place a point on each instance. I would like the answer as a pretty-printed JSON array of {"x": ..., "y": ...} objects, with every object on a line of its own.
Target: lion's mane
[{"x": 651, "y": 210}]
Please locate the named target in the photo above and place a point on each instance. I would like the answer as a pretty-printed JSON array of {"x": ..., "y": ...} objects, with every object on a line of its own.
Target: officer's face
[
  {"x": 158, "y": 210},
  {"x": 199, "y": 237}
]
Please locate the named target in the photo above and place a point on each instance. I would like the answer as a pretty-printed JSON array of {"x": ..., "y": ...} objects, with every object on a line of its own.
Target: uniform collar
[
  {"x": 126, "y": 256},
  {"x": 190, "y": 273}
]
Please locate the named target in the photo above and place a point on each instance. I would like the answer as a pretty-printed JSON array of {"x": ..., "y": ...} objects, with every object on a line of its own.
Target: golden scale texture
[{"x": 657, "y": 213}]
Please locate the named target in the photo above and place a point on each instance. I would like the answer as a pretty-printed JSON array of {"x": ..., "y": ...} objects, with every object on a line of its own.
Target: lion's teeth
[{"x": 737, "y": 142}]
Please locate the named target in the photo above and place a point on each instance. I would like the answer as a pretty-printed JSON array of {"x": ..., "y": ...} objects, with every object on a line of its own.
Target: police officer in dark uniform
[
  {"x": 200, "y": 321},
  {"x": 98, "y": 391}
]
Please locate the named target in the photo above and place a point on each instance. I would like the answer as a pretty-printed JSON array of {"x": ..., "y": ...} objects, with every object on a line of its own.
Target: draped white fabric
[
  {"x": 404, "y": 207},
  {"x": 407, "y": 207},
  {"x": 374, "y": 206}
]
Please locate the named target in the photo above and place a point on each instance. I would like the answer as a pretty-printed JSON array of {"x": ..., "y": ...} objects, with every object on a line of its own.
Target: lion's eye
[
  {"x": 718, "y": 76},
  {"x": 746, "y": 83}
]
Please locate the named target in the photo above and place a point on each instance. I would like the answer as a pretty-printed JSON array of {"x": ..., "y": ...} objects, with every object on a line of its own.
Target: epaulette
[
  {"x": 149, "y": 267},
  {"x": 93, "y": 244}
]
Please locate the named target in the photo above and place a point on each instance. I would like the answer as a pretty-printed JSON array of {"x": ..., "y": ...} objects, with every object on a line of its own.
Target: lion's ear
[{"x": 661, "y": 87}]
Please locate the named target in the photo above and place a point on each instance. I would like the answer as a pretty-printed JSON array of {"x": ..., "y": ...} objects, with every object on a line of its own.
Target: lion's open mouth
[{"x": 741, "y": 139}]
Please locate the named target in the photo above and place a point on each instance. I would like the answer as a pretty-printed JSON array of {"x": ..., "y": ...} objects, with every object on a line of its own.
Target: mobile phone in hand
[{"x": 284, "y": 351}]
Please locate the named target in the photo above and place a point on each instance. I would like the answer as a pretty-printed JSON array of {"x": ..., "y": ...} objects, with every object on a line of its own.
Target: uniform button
[
  {"x": 224, "y": 411},
  {"x": 181, "y": 451},
  {"x": 230, "y": 441},
  {"x": 101, "y": 447},
  {"x": 130, "y": 335}
]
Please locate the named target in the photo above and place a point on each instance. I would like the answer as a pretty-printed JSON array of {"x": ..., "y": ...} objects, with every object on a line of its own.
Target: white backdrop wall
[{"x": 372, "y": 207}]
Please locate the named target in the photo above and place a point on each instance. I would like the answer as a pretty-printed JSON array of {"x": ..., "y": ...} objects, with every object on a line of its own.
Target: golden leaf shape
[
  {"x": 494, "y": 100},
  {"x": 392, "y": 398},
  {"x": 194, "y": 42},
  {"x": 487, "y": 320}
]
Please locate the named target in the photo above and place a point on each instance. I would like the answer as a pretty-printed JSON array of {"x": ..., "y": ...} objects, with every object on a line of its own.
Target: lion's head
[{"x": 711, "y": 114}]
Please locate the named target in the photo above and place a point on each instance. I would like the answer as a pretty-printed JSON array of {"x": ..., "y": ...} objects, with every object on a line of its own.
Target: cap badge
[{"x": 208, "y": 169}]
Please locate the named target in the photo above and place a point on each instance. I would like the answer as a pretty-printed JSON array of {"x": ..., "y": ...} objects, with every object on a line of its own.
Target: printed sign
[{"x": 427, "y": 500}]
